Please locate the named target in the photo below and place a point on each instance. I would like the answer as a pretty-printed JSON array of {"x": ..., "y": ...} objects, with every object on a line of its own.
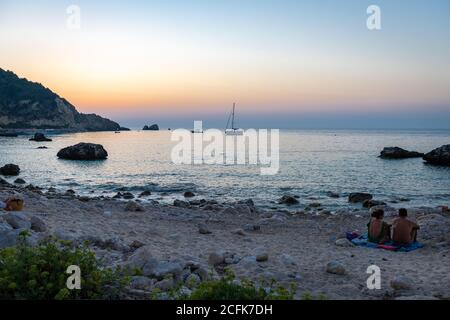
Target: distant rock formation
[
  {"x": 83, "y": 151},
  {"x": 40, "y": 137},
  {"x": 359, "y": 197},
  {"x": 439, "y": 156},
  {"x": 399, "y": 153},
  {"x": 153, "y": 127},
  {"x": 25, "y": 104}
]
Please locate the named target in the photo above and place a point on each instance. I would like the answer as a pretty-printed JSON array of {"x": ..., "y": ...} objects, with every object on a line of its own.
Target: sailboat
[{"x": 233, "y": 131}]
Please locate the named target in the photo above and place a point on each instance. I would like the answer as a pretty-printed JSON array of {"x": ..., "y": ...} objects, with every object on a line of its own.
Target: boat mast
[{"x": 232, "y": 119}]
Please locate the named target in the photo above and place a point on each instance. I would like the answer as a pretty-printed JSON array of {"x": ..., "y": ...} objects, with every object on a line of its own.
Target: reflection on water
[{"x": 312, "y": 163}]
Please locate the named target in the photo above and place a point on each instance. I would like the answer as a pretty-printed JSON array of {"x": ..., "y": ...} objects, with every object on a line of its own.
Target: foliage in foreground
[
  {"x": 39, "y": 272},
  {"x": 228, "y": 288}
]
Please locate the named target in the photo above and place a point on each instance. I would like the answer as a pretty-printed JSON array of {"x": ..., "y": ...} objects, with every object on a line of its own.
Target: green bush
[
  {"x": 227, "y": 288},
  {"x": 39, "y": 272}
]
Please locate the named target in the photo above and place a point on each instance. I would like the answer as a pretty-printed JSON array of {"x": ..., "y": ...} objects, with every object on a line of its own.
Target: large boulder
[
  {"x": 399, "y": 153},
  {"x": 83, "y": 151},
  {"x": 17, "y": 220},
  {"x": 37, "y": 224},
  {"x": 40, "y": 137},
  {"x": 10, "y": 170},
  {"x": 439, "y": 156},
  {"x": 150, "y": 266},
  {"x": 8, "y": 236},
  {"x": 153, "y": 127},
  {"x": 357, "y": 197}
]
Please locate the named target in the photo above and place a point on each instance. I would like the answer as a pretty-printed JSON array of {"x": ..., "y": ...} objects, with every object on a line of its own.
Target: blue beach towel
[{"x": 363, "y": 241}]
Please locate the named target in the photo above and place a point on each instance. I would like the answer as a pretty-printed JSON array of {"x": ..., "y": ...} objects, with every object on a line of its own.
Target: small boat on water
[{"x": 232, "y": 130}]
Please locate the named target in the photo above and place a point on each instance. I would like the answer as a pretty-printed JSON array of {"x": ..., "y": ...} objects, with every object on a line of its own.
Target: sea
[{"x": 312, "y": 164}]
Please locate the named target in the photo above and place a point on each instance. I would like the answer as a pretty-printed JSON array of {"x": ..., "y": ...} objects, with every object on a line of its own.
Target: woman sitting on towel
[{"x": 379, "y": 230}]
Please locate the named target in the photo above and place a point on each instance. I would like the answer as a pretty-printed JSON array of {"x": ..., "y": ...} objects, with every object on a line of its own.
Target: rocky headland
[{"x": 26, "y": 105}]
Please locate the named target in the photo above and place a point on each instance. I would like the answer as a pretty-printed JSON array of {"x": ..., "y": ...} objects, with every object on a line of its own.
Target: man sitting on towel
[
  {"x": 379, "y": 231},
  {"x": 404, "y": 230}
]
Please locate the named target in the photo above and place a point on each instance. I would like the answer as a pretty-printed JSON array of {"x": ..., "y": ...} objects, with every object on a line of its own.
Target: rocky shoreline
[{"x": 191, "y": 241}]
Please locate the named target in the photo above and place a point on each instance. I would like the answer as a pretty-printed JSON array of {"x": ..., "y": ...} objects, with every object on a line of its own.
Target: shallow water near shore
[{"x": 312, "y": 164}]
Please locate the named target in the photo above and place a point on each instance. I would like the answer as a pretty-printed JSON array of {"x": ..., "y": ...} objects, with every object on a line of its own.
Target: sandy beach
[{"x": 203, "y": 237}]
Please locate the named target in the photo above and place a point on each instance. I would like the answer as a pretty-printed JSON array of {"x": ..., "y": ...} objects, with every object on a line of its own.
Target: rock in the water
[
  {"x": 203, "y": 229},
  {"x": 83, "y": 151},
  {"x": 189, "y": 194},
  {"x": 133, "y": 206},
  {"x": 145, "y": 193},
  {"x": 315, "y": 205},
  {"x": 359, "y": 197},
  {"x": 344, "y": 242},
  {"x": 335, "y": 267},
  {"x": 401, "y": 283},
  {"x": 439, "y": 156},
  {"x": 153, "y": 127},
  {"x": 288, "y": 200},
  {"x": 40, "y": 137},
  {"x": 19, "y": 181},
  {"x": 118, "y": 195},
  {"x": 10, "y": 170},
  {"x": 181, "y": 203},
  {"x": 17, "y": 220},
  {"x": 399, "y": 153},
  {"x": 37, "y": 224},
  {"x": 372, "y": 203},
  {"x": 332, "y": 194},
  {"x": 127, "y": 195}
]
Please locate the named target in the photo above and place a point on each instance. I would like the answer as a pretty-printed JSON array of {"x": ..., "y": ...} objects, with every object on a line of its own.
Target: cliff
[{"x": 29, "y": 105}]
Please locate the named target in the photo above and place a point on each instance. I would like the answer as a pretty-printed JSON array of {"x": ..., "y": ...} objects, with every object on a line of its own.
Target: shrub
[
  {"x": 226, "y": 288},
  {"x": 39, "y": 272}
]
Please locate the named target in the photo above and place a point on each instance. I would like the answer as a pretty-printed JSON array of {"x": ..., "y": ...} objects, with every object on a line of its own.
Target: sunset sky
[{"x": 284, "y": 61}]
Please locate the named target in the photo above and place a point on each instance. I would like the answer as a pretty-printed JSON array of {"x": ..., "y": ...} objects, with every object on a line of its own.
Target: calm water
[{"x": 312, "y": 163}]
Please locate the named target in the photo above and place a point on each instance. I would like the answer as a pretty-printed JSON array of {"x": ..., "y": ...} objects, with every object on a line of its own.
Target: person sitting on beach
[
  {"x": 404, "y": 231},
  {"x": 379, "y": 231}
]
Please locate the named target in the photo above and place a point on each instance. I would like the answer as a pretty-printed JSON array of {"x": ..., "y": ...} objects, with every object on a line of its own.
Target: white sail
[{"x": 233, "y": 131}]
